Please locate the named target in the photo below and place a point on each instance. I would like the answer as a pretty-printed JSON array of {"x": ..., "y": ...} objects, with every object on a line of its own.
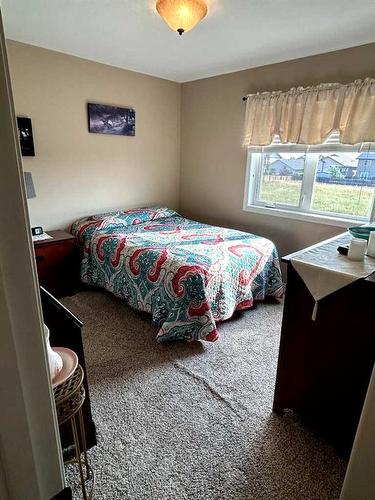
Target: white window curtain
[{"x": 309, "y": 115}]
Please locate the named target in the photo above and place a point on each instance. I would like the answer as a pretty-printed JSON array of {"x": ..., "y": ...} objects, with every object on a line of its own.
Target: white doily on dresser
[{"x": 324, "y": 270}]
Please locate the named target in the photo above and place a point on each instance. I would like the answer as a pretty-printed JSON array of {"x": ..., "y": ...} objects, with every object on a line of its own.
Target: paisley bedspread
[{"x": 186, "y": 274}]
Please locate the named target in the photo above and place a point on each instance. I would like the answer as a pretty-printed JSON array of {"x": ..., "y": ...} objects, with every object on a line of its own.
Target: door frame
[{"x": 31, "y": 463}]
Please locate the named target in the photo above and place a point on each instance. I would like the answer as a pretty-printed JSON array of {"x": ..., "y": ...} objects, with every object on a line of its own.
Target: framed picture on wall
[
  {"x": 105, "y": 119},
  {"x": 25, "y": 136}
]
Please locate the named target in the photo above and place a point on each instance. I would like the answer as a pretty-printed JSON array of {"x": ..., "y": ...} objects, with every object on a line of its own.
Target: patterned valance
[{"x": 309, "y": 115}]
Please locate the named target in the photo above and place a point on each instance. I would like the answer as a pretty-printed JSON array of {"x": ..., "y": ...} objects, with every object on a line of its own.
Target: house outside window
[{"x": 330, "y": 183}]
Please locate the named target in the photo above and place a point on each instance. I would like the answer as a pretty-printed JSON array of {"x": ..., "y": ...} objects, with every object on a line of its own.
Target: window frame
[{"x": 303, "y": 212}]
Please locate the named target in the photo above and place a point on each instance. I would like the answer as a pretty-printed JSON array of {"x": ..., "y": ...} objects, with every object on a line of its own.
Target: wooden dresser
[
  {"x": 325, "y": 365},
  {"x": 57, "y": 263}
]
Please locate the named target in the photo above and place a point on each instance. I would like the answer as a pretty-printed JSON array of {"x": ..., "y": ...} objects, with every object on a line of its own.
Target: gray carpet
[{"x": 193, "y": 420}]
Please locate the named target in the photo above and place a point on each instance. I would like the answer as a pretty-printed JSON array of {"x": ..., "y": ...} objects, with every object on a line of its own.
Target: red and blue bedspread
[{"x": 188, "y": 275}]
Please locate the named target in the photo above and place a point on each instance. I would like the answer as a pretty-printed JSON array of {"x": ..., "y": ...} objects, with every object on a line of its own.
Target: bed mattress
[{"x": 186, "y": 274}]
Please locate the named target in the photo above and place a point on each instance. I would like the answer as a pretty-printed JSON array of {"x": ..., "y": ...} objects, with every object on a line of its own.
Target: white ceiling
[{"x": 236, "y": 34}]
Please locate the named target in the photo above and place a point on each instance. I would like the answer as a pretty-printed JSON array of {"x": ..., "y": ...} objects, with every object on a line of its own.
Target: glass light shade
[{"x": 182, "y": 15}]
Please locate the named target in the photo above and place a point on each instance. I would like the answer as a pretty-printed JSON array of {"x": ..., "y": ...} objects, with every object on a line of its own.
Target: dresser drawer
[
  {"x": 53, "y": 257},
  {"x": 57, "y": 263}
]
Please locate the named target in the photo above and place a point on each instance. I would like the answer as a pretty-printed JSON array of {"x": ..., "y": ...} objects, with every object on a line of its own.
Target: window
[{"x": 328, "y": 182}]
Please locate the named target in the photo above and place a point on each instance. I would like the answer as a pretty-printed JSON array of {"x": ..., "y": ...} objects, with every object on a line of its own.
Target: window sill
[{"x": 303, "y": 216}]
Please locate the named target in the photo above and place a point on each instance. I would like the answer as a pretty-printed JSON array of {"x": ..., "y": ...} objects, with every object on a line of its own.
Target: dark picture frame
[
  {"x": 25, "y": 136},
  {"x": 113, "y": 120}
]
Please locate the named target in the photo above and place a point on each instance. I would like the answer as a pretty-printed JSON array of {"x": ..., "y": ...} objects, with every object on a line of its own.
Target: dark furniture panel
[
  {"x": 65, "y": 331},
  {"x": 325, "y": 365},
  {"x": 57, "y": 263}
]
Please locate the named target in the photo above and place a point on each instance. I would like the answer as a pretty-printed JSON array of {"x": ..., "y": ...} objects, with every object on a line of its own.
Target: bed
[{"x": 189, "y": 276}]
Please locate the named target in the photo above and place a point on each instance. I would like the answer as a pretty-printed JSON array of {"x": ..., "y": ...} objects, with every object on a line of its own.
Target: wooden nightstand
[{"x": 57, "y": 263}]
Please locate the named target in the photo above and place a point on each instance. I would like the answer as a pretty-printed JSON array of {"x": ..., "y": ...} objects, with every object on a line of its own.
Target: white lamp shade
[{"x": 29, "y": 184}]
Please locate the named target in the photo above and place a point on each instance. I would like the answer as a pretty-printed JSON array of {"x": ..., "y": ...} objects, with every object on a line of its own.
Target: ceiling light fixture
[{"x": 181, "y": 15}]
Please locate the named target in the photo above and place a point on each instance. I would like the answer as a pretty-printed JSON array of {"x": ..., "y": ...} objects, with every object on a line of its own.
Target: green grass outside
[{"x": 349, "y": 200}]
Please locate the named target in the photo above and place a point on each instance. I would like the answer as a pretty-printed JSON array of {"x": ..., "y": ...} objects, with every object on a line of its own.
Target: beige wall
[
  {"x": 359, "y": 483},
  {"x": 213, "y": 162},
  {"x": 76, "y": 173}
]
